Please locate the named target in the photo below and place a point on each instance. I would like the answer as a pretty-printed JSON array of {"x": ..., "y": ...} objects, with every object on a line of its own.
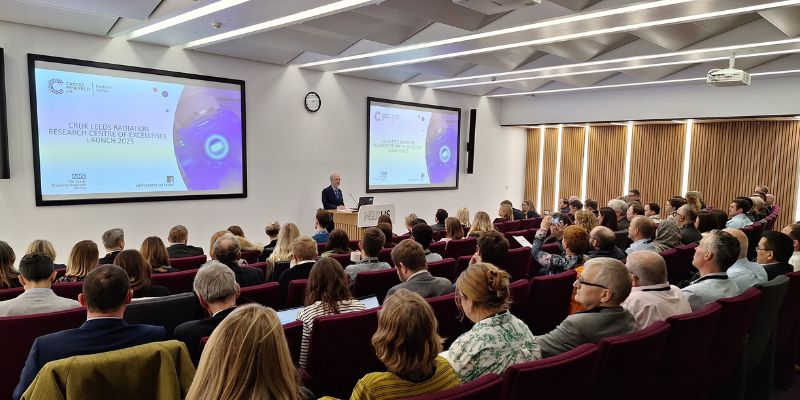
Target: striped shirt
[
  {"x": 388, "y": 386},
  {"x": 308, "y": 314}
]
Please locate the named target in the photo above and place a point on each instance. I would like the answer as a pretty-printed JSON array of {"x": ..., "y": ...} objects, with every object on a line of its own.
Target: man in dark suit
[
  {"x": 106, "y": 293},
  {"x": 217, "y": 290},
  {"x": 228, "y": 251},
  {"x": 304, "y": 251},
  {"x": 412, "y": 269},
  {"x": 332, "y": 198},
  {"x": 114, "y": 242},
  {"x": 604, "y": 244},
  {"x": 773, "y": 253},
  {"x": 518, "y": 214},
  {"x": 178, "y": 237},
  {"x": 441, "y": 215},
  {"x": 684, "y": 218}
]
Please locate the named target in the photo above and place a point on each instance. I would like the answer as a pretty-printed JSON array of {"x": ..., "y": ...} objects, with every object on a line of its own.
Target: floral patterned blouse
[
  {"x": 552, "y": 263},
  {"x": 492, "y": 345}
]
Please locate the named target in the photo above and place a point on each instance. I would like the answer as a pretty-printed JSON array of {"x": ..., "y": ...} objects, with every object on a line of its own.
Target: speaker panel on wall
[{"x": 473, "y": 116}]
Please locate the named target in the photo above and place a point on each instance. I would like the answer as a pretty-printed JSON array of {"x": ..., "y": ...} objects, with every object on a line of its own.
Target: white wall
[{"x": 290, "y": 152}]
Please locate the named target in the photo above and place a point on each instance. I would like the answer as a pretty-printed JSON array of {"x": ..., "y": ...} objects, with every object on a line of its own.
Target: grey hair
[
  {"x": 215, "y": 282},
  {"x": 113, "y": 237},
  {"x": 613, "y": 275},
  {"x": 619, "y": 206},
  {"x": 648, "y": 266},
  {"x": 725, "y": 248},
  {"x": 227, "y": 248}
]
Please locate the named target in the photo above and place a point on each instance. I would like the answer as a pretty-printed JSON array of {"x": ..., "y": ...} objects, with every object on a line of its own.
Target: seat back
[
  {"x": 444, "y": 268},
  {"x": 764, "y": 323},
  {"x": 354, "y": 244},
  {"x": 787, "y": 332},
  {"x": 513, "y": 243},
  {"x": 438, "y": 248},
  {"x": 683, "y": 263},
  {"x": 451, "y": 321},
  {"x": 568, "y": 376},
  {"x": 251, "y": 256},
  {"x": 629, "y": 363},
  {"x": 321, "y": 247},
  {"x": 517, "y": 262},
  {"x": 70, "y": 290},
  {"x": 20, "y": 332},
  {"x": 296, "y": 294},
  {"x": 530, "y": 223},
  {"x": 460, "y": 247},
  {"x": 168, "y": 311},
  {"x": 676, "y": 272},
  {"x": 519, "y": 296},
  {"x": 487, "y": 387},
  {"x": 753, "y": 237},
  {"x": 623, "y": 241},
  {"x": 461, "y": 265},
  {"x": 8, "y": 294},
  {"x": 375, "y": 283},
  {"x": 400, "y": 238},
  {"x": 266, "y": 294},
  {"x": 185, "y": 263},
  {"x": 548, "y": 301},
  {"x": 294, "y": 338},
  {"x": 176, "y": 282},
  {"x": 511, "y": 226},
  {"x": 385, "y": 255},
  {"x": 343, "y": 259},
  {"x": 339, "y": 337}
]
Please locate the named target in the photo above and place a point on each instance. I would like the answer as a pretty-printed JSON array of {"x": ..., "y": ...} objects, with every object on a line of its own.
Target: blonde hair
[
  {"x": 409, "y": 219},
  {"x": 154, "y": 252},
  {"x": 283, "y": 249},
  {"x": 406, "y": 341},
  {"x": 486, "y": 285},
  {"x": 82, "y": 258},
  {"x": 305, "y": 248},
  {"x": 463, "y": 216},
  {"x": 246, "y": 358},
  {"x": 214, "y": 237},
  {"x": 506, "y": 212},
  {"x": 481, "y": 223},
  {"x": 693, "y": 199},
  {"x": 585, "y": 219},
  {"x": 42, "y": 246}
]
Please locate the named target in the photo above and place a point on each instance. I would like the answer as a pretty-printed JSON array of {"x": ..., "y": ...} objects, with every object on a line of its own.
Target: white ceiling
[{"x": 404, "y": 33}]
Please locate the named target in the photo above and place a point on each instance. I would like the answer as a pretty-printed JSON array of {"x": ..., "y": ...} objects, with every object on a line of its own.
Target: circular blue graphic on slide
[
  {"x": 217, "y": 147},
  {"x": 444, "y": 154}
]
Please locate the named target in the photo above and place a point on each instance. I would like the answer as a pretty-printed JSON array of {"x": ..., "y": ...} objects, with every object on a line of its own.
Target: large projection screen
[
  {"x": 113, "y": 133},
  {"x": 411, "y": 146}
]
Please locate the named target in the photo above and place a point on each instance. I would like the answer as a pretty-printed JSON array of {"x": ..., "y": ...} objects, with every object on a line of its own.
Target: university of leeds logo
[{"x": 54, "y": 85}]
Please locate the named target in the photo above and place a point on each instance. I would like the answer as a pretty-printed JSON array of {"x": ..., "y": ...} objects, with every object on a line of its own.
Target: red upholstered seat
[
  {"x": 548, "y": 301},
  {"x": 8, "y": 294},
  {"x": 487, "y": 387},
  {"x": 676, "y": 271},
  {"x": 266, "y": 294},
  {"x": 400, "y": 238},
  {"x": 343, "y": 259},
  {"x": 530, "y": 223},
  {"x": 567, "y": 376},
  {"x": 519, "y": 296},
  {"x": 294, "y": 337},
  {"x": 450, "y": 319},
  {"x": 438, "y": 248},
  {"x": 460, "y": 247},
  {"x": 511, "y": 226},
  {"x": 354, "y": 245},
  {"x": 385, "y": 255},
  {"x": 787, "y": 344},
  {"x": 517, "y": 262},
  {"x": 176, "y": 282},
  {"x": 444, "y": 268},
  {"x": 375, "y": 283},
  {"x": 251, "y": 256},
  {"x": 513, "y": 243},
  {"x": 296, "y": 295},
  {"x": 70, "y": 290},
  {"x": 185, "y": 263},
  {"x": 321, "y": 247}
]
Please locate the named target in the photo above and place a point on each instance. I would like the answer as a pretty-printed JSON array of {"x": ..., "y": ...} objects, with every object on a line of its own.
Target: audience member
[
  {"x": 480, "y": 224},
  {"x": 705, "y": 221},
  {"x": 9, "y": 278},
  {"x": 685, "y": 219},
  {"x": 408, "y": 345},
  {"x": 575, "y": 206},
  {"x": 326, "y": 294},
  {"x": 518, "y": 214},
  {"x": 668, "y": 235},
  {"x": 36, "y": 273},
  {"x": 82, "y": 259},
  {"x": 370, "y": 246},
  {"x": 634, "y": 195},
  {"x": 304, "y": 253},
  {"x": 737, "y": 212},
  {"x": 272, "y": 230},
  {"x": 620, "y": 208},
  {"x": 793, "y": 231},
  {"x": 769, "y": 202},
  {"x": 498, "y": 339},
  {"x": 412, "y": 269},
  {"x": 214, "y": 237},
  {"x": 653, "y": 211},
  {"x": 409, "y": 221},
  {"x": 603, "y": 243},
  {"x": 216, "y": 289},
  {"x": 564, "y": 208},
  {"x": 716, "y": 253},
  {"x": 283, "y": 248},
  {"x": 246, "y": 357},
  {"x": 773, "y": 253},
  {"x": 608, "y": 218},
  {"x": 178, "y": 237},
  {"x": 591, "y": 205},
  {"x": 453, "y": 229},
  {"x": 322, "y": 219},
  {"x": 463, "y": 216},
  {"x": 236, "y": 230},
  {"x": 759, "y": 211},
  {"x": 695, "y": 199},
  {"x": 106, "y": 293},
  {"x": 633, "y": 210},
  {"x": 504, "y": 214},
  {"x": 423, "y": 234},
  {"x": 602, "y": 286},
  {"x": 529, "y": 210},
  {"x": 46, "y": 247},
  {"x": 387, "y": 233},
  {"x": 761, "y": 189},
  {"x": 138, "y": 270},
  {"x": 575, "y": 244},
  {"x": 156, "y": 255},
  {"x": 441, "y": 215},
  {"x": 338, "y": 243},
  {"x": 744, "y": 273},
  {"x": 228, "y": 252},
  {"x": 641, "y": 232},
  {"x": 652, "y": 298},
  {"x": 114, "y": 242},
  {"x": 585, "y": 219}
]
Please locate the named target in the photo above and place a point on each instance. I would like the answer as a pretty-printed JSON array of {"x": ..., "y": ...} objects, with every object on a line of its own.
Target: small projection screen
[
  {"x": 113, "y": 133},
  {"x": 411, "y": 146}
]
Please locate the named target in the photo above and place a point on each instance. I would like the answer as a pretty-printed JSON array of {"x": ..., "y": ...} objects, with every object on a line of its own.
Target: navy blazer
[
  {"x": 246, "y": 276},
  {"x": 329, "y": 200},
  {"x": 94, "y": 336},
  {"x": 180, "y": 250}
]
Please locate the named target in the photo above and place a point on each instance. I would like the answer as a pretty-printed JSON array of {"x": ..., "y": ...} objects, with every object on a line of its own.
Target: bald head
[
  {"x": 742, "y": 238},
  {"x": 604, "y": 237},
  {"x": 770, "y": 199},
  {"x": 648, "y": 268},
  {"x": 642, "y": 227},
  {"x": 227, "y": 249},
  {"x": 612, "y": 274}
]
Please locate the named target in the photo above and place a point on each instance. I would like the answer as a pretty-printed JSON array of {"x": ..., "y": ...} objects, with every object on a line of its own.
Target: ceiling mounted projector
[{"x": 729, "y": 76}]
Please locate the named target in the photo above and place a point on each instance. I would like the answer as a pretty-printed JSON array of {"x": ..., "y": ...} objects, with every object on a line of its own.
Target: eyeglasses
[
  {"x": 763, "y": 249},
  {"x": 583, "y": 282}
]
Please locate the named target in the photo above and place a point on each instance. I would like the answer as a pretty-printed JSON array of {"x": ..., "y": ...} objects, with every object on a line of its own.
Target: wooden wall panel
[
  {"x": 606, "y": 163},
  {"x": 657, "y": 161},
  {"x": 532, "y": 165},
  {"x": 571, "y": 161},
  {"x": 549, "y": 168},
  {"x": 730, "y": 158}
]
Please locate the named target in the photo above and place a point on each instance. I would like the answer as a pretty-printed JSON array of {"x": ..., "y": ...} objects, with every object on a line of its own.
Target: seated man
[
  {"x": 602, "y": 286},
  {"x": 641, "y": 231},
  {"x": 744, "y": 272},
  {"x": 114, "y": 242},
  {"x": 685, "y": 218},
  {"x": 304, "y": 254},
  {"x": 652, "y": 298},
  {"x": 518, "y": 214},
  {"x": 793, "y": 231},
  {"x": 409, "y": 259},
  {"x": 603, "y": 243},
  {"x": 653, "y": 211},
  {"x": 441, "y": 215},
  {"x": 591, "y": 205},
  {"x": 737, "y": 211},
  {"x": 217, "y": 290},
  {"x": 716, "y": 253},
  {"x": 773, "y": 253},
  {"x": 321, "y": 222},
  {"x": 423, "y": 234},
  {"x": 633, "y": 210},
  {"x": 36, "y": 273},
  {"x": 370, "y": 246},
  {"x": 178, "y": 237},
  {"x": 228, "y": 251},
  {"x": 106, "y": 293}
]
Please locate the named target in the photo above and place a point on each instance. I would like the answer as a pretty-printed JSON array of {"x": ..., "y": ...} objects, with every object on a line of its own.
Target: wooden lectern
[{"x": 348, "y": 221}]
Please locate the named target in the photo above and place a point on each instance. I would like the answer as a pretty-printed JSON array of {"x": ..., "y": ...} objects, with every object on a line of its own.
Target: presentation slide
[
  {"x": 412, "y": 146},
  {"x": 119, "y": 134}
]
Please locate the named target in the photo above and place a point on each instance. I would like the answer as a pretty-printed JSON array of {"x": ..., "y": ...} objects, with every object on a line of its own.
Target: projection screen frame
[
  {"x": 33, "y": 58},
  {"x": 413, "y": 104}
]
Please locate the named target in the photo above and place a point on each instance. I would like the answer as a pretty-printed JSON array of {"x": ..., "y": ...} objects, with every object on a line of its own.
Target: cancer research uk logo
[{"x": 54, "y": 86}]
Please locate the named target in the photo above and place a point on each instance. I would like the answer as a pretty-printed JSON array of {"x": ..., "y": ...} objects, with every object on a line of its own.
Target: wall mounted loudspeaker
[{"x": 473, "y": 116}]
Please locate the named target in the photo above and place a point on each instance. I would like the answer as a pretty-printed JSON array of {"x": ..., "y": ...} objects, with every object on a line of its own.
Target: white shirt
[
  {"x": 652, "y": 303},
  {"x": 710, "y": 288},
  {"x": 795, "y": 261},
  {"x": 739, "y": 221},
  {"x": 641, "y": 244},
  {"x": 746, "y": 274}
]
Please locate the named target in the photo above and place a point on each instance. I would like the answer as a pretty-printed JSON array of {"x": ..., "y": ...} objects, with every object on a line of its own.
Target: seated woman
[
  {"x": 505, "y": 214},
  {"x": 575, "y": 243},
  {"x": 673, "y": 204},
  {"x": 480, "y": 224},
  {"x": 46, "y": 247},
  {"x": 452, "y": 229},
  {"x": 409, "y": 221},
  {"x": 272, "y": 229},
  {"x": 327, "y": 293},
  {"x": 82, "y": 259},
  {"x": 463, "y": 216},
  {"x": 338, "y": 243},
  {"x": 668, "y": 235},
  {"x": 607, "y": 218},
  {"x": 585, "y": 219},
  {"x": 386, "y": 228},
  {"x": 257, "y": 365},
  {"x": 406, "y": 342},
  {"x": 705, "y": 221},
  {"x": 498, "y": 339},
  {"x": 155, "y": 253},
  {"x": 529, "y": 210},
  {"x": 9, "y": 278},
  {"x": 139, "y": 273}
]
